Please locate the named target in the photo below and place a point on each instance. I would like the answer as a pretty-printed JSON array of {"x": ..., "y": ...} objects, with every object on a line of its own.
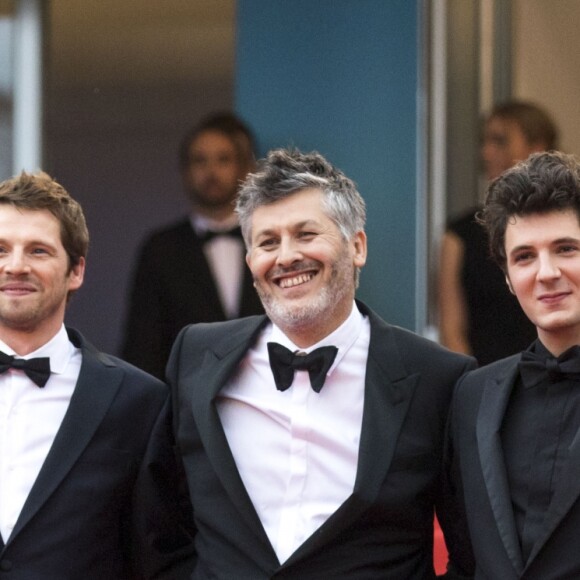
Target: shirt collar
[
  {"x": 343, "y": 337},
  {"x": 59, "y": 349},
  {"x": 538, "y": 348}
]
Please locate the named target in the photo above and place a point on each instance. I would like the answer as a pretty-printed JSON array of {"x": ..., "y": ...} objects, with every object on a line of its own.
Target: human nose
[
  {"x": 288, "y": 252},
  {"x": 547, "y": 269},
  {"x": 16, "y": 263},
  {"x": 211, "y": 166}
]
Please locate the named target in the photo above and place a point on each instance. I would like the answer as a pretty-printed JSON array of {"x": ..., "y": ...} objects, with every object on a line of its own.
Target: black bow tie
[
  {"x": 36, "y": 369},
  {"x": 535, "y": 368},
  {"x": 284, "y": 362},
  {"x": 211, "y": 234}
]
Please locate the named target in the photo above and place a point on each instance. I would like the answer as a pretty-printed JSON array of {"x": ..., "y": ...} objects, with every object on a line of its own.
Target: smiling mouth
[
  {"x": 548, "y": 298},
  {"x": 296, "y": 280},
  {"x": 16, "y": 288}
]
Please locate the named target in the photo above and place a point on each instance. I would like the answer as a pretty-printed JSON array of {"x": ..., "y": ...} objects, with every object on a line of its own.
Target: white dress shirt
[
  {"x": 225, "y": 256},
  {"x": 297, "y": 450},
  {"x": 29, "y": 420}
]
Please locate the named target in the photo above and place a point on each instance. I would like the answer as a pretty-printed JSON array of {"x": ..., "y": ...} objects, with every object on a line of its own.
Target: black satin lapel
[
  {"x": 565, "y": 496},
  {"x": 214, "y": 373},
  {"x": 492, "y": 409},
  {"x": 96, "y": 388},
  {"x": 386, "y": 405},
  {"x": 389, "y": 389},
  {"x": 200, "y": 275}
]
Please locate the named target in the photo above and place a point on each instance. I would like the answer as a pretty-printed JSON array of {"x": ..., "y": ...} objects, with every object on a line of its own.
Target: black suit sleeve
[
  {"x": 148, "y": 337},
  {"x": 160, "y": 528},
  {"x": 451, "y": 512}
]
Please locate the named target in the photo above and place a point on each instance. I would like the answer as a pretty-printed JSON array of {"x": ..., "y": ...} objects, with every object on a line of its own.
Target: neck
[
  {"x": 313, "y": 331},
  {"x": 560, "y": 341},
  {"x": 23, "y": 342}
]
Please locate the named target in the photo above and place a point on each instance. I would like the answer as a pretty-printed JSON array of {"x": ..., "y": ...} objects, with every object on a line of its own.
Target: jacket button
[{"x": 5, "y": 565}]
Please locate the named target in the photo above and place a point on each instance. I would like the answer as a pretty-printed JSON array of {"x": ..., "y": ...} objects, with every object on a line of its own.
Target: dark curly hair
[{"x": 543, "y": 183}]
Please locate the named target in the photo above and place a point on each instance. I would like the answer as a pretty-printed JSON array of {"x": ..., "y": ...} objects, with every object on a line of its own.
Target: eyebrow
[
  {"x": 565, "y": 240},
  {"x": 29, "y": 243},
  {"x": 297, "y": 226}
]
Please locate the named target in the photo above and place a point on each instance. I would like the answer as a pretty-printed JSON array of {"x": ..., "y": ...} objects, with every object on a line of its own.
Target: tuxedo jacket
[
  {"x": 385, "y": 528},
  {"x": 105, "y": 504},
  {"x": 478, "y": 409},
  {"x": 173, "y": 286}
]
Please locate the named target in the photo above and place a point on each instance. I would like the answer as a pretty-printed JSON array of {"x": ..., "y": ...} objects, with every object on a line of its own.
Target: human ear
[
  {"x": 509, "y": 284},
  {"x": 360, "y": 249}
]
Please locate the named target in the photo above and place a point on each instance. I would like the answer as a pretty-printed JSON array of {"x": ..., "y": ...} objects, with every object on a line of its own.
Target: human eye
[
  {"x": 567, "y": 248},
  {"x": 267, "y": 243},
  {"x": 197, "y": 161},
  {"x": 523, "y": 256},
  {"x": 496, "y": 140},
  {"x": 306, "y": 235},
  {"x": 226, "y": 159},
  {"x": 39, "y": 251}
]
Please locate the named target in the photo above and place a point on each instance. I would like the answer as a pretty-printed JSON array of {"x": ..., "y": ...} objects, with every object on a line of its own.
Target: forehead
[
  {"x": 14, "y": 218},
  {"x": 507, "y": 128},
  {"x": 302, "y": 206},
  {"x": 212, "y": 141},
  {"x": 541, "y": 228}
]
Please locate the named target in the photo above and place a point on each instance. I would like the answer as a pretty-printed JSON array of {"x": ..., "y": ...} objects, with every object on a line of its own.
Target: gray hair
[{"x": 287, "y": 171}]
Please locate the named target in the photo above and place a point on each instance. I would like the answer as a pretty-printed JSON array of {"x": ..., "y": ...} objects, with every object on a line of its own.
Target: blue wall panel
[{"x": 340, "y": 76}]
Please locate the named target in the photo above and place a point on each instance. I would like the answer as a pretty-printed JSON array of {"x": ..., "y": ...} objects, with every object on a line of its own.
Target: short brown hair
[
  {"x": 228, "y": 125},
  {"x": 535, "y": 123},
  {"x": 38, "y": 191}
]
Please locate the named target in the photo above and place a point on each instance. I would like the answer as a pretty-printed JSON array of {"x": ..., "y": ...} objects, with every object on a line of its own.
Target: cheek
[
  {"x": 197, "y": 174},
  {"x": 228, "y": 172},
  {"x": 522, "y": 285},
  {"x": 197, "y": 177},
  {"x": 519, "y": 149},
  {"x": 260, "y": 264}
]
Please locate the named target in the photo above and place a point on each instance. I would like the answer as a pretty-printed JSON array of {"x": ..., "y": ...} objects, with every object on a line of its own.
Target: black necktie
[
  {"x": 284, "y": 362},
  {"x": 211, "y": 234},
  {"x": 535, "y": 368},
  {"x": 36, "y": 369}
]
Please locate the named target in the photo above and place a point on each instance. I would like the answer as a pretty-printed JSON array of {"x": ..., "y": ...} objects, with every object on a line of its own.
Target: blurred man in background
[{"x": 194, "y": 270}]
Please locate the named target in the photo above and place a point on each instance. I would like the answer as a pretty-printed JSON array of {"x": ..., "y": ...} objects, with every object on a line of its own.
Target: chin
[
  {"x": 285, "y": 316},
  {"x": 296, "y": 315},
  {"x": 558, "y": 325}
]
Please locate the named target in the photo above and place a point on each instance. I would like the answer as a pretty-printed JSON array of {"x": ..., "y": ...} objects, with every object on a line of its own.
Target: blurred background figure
[
  {"x": 477, "y": 313},
  {"x": 195, "y": 270}
]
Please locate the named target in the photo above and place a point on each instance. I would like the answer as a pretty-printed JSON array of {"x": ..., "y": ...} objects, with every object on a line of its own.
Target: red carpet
[{"x": 439, "y": 550}]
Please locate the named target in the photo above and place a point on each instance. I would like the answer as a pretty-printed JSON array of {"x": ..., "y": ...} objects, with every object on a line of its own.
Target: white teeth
[{"x": 297, "y": 280}]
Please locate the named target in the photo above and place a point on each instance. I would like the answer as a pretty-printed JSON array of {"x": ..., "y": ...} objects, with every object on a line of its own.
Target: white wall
[{"x": 546, "y": 62}]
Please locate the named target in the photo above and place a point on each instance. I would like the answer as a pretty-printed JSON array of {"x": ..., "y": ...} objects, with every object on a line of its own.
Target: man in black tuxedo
[
  {"x": 312, "y": 437},
  {"x": 516, "y": 423},
  {"x": 88, "y": 473},
  {"x": 194, "y": 270}
]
